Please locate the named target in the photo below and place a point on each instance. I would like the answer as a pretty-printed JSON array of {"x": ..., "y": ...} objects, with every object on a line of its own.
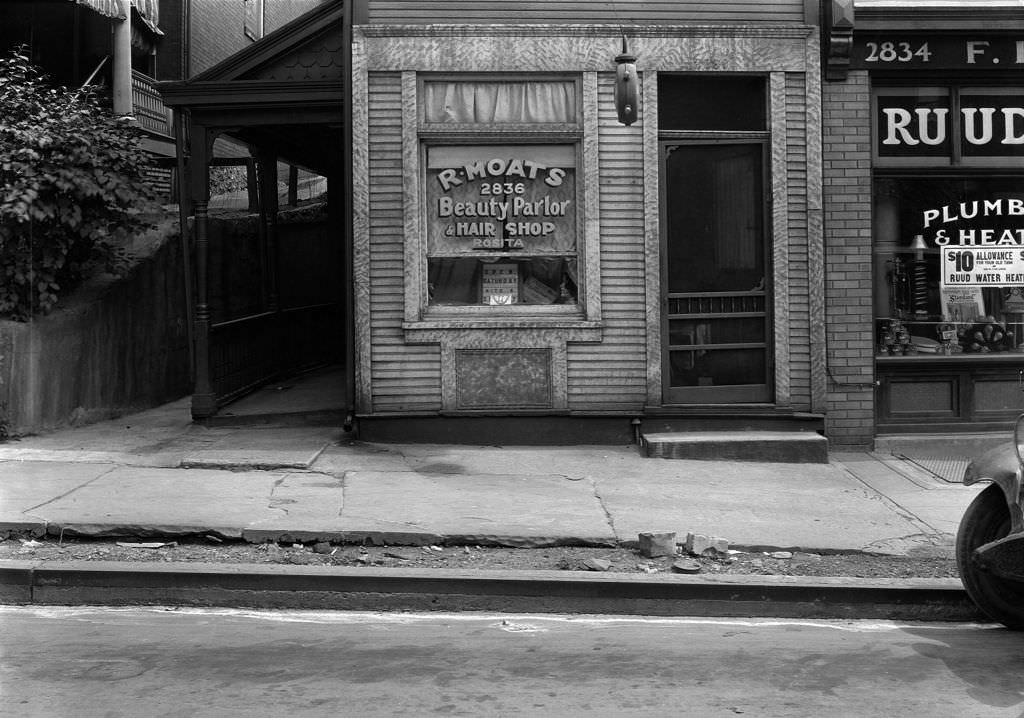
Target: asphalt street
[{"x": 166, "y": 662}]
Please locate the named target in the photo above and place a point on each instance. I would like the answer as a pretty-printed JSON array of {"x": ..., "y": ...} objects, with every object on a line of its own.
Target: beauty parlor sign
[{"x": 501, "y": 198}]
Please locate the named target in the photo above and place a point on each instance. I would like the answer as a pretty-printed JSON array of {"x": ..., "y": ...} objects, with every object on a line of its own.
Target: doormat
[{"x": 948, "y": 468}]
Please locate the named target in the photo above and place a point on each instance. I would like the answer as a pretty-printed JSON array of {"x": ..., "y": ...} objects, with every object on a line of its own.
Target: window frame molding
[{"x": 426, "y": 323}]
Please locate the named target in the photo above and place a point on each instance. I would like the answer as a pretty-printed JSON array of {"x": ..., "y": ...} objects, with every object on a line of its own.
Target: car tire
[{"x": 988, "y": 519}]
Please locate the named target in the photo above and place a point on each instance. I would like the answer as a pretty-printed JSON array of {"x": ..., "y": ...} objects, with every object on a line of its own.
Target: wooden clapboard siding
[
  {"x": 404, "y": 377},
  {"x": 611, "y": 375},
  {"x": 583, "y": 11},
  {"x": 799, "y": 288}
]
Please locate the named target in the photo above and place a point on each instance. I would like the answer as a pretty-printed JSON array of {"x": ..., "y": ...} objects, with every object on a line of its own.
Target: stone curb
[
  {"x": 255, "y": 534},
  {"x": 375, "y": 589}
]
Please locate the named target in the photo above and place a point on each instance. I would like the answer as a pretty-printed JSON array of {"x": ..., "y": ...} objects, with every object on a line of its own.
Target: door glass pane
[
  {"x": 715, "y": 218},
  {"x": 716, "y": 331},
  {"x": 719, "y": 367}
]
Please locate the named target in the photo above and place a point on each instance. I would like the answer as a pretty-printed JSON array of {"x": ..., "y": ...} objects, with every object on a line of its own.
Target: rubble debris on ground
[
  {"x": 657, "y": 543},
  {"x": 622, "y": 559},
  {"x": 686, "y": 565},
  {"x": 703, "y": 545}
]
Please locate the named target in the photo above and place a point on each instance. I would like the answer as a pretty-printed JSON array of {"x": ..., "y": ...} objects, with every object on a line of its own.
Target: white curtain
[{"x": 500, "y": 102}]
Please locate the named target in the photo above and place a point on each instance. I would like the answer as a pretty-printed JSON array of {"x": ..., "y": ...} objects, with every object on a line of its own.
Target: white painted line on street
[{"x": 506, "y": 621}]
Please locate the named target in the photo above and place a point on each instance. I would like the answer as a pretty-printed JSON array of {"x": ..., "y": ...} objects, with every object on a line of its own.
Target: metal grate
[{"x": 947, "y": 468}]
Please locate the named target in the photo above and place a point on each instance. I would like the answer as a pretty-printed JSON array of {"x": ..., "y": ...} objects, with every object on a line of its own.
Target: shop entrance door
[{"x": 716, "y": 290}]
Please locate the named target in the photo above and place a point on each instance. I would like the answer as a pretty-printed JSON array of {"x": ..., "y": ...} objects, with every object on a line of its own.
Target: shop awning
[{"x": 148, "y": 10}]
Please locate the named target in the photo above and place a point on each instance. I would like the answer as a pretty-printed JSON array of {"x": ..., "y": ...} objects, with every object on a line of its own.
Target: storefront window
[
  {"x": 949, "y": 261},
  {"x": 501, "y": 224},
  {"x": 501, "y": 217}
]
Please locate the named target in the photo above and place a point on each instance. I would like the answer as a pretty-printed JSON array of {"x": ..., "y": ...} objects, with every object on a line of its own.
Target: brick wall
[
  {"x": 846, "y": 137},
  {"x": 279, "y": 12},
  {"x": 217, "y": 31},
  {"x": 218, "y": 27}
]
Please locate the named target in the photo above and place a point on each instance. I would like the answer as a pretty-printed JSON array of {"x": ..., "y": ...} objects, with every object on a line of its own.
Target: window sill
[
  {"x": 567, "y": 328},
  {"x": 1013, "y": 357}
]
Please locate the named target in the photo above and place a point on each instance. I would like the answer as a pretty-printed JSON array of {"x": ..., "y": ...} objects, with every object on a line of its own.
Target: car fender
[{"x": 1001, "y": 467}]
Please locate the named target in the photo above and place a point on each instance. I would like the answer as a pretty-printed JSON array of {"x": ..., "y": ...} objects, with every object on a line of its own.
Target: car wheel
[{"x": 988, "y": 519}]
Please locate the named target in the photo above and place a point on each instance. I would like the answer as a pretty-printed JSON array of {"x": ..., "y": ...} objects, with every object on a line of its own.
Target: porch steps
[{"x": 791, "y": 447}]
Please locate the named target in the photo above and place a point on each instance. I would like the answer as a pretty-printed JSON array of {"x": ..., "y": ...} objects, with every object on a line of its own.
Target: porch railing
[{"x": 150, "y": 111}]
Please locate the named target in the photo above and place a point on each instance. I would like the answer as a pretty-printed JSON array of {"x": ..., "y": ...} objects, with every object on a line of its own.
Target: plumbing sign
[{"x": 982, "y": 267}]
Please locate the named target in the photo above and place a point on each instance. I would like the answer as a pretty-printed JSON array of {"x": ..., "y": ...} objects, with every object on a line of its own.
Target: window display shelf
[{"x": 1012, "y": 357}]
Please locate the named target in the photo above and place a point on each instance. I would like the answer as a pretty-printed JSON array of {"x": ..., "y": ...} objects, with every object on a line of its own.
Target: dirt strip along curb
[{"x": 373, "y": 589}]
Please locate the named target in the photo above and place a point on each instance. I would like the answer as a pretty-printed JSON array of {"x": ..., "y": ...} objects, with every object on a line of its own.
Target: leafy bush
[
  {"x": 72, "y": 189},
  {"x": 232, "y": 178}
]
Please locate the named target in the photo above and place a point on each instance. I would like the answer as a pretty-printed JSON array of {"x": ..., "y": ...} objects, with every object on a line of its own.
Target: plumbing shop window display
[
  {"x": 948, "y": 234},
  {"x": 501, "y": 224},
  {"x": 949, "y": 242},
  {"x": 952, "y": 257}
]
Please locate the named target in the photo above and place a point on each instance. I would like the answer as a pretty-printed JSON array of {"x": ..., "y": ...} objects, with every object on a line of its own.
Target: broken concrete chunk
[
  {"x": 597, "y": 564},
  {"x": 686, "y": 565},
  {"x": 654, "y": 544},
  {"x": 781, "y": 554},
  {"x": 403, "y": 556},
  {"x": 322, "y": 547},
  {"x": 147, "y": 544},
  {"x": 703, "y": 545}
]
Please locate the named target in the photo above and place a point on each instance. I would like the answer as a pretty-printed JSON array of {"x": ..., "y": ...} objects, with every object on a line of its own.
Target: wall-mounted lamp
[{"x": 627, "y": 96}]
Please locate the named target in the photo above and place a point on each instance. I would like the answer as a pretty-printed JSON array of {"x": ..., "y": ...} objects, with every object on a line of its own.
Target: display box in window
[{"x": 499, "y": 284}]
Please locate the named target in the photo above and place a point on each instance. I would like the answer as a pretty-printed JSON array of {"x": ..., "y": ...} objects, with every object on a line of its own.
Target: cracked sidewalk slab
[
  {"x": 261, "y": 449},
  {"x": 504, "y": 509},
  {"x": 154, "y": 501},
  {"x": 836, "y": 513},
  {"x": 27, "y": 487},
  {"x": 935, "y": 505},
  {"x": 190, "y": 446},
  {"x": 307, "y": 507}
]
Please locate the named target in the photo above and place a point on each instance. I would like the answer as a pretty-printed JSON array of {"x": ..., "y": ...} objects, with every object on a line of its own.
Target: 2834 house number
[{"x": 896, "y": 52}]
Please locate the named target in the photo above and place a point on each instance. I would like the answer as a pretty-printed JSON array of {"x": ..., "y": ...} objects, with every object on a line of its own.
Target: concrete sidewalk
[{"x": 157, "y": 473}]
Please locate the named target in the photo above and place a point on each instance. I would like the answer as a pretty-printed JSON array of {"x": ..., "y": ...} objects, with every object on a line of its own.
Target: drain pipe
[{"x": 636, "y": 430}]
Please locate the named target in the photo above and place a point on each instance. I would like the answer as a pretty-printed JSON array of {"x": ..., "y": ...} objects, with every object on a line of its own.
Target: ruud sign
[{"x": 949, "y": 124}]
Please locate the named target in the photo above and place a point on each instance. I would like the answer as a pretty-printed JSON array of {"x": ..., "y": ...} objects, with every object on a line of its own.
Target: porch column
[
  {"x": 267, "y": 172},
  {"x": 204, "y": 398},
  {"x": 122, "y": 69}
]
